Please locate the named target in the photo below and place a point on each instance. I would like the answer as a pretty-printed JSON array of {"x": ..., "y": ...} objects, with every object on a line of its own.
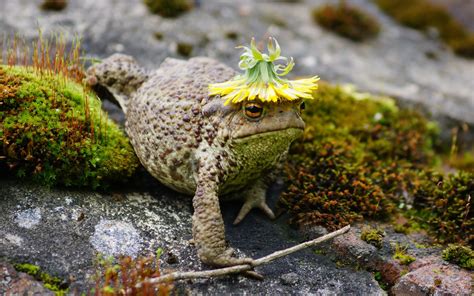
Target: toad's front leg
[{"x": 208, "y": 225}]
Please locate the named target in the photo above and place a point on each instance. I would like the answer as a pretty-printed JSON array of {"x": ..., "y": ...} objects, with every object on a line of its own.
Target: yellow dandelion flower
[{"x": 263, "y": 80}]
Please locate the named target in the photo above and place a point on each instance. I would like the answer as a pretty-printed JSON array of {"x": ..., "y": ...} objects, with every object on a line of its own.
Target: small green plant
[
  {"x": 52, "y": 127},
  {"x": 373, "y": 236},
  {"x": 128, "y": 276},
  {"x": 168, "y": 8},
  {"x": 424, "y": 14},
  {"x": 347, "y": 21},
  {"x": 379, "y": 278},
  {"x": 52, "y": 283},
  {"x": 402, "y": 256},
  {"x": 460, "y": 255},
  {"x": 420, "y": 246}
]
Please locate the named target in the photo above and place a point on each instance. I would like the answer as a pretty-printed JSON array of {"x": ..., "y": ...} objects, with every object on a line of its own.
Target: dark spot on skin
[
  {"x": 175, "y": 175},
  {"x": 111, "y": 81}
]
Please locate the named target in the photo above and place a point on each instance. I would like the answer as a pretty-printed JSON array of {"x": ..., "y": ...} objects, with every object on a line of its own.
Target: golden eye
[{"x": 253, "y": 110}]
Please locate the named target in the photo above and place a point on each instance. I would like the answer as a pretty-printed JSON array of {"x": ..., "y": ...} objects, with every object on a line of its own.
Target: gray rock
[
  {"x": 289, "y": 279},
  {"x": 77, "y": 225}
]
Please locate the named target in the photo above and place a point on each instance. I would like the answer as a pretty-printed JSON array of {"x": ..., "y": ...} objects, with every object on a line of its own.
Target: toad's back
[{"x": 165, "y": 122}]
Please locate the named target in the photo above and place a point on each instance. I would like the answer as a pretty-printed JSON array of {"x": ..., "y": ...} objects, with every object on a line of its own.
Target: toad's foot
[
  {"x": 226, "y": 258},
  {"x": 255, "y": 198}
]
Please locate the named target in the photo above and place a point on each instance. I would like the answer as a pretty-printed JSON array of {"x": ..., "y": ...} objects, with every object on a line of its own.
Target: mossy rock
[
  {"x": 53, "y": 131},
  {"x": 55, "y": 284},
  {"x": 347, "y": 21},
  {"x": 361, "y": 156},
  {"x": 424, "y": 15},
  {"x": 358, "y": 154},
  {"x": 373, "y": 236}
]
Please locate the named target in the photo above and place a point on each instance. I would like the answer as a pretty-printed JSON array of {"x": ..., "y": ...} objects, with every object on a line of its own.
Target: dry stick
[{"x": 240, "y": 268}]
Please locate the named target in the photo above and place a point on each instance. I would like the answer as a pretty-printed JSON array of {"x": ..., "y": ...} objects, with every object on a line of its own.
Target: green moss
[
  {"x": 358, "y": 154},
  {"x": 460, "y": 255},
  {"x": 420, "y": 246},
  {"x": 373, "y": 236},
  {"x": 52, "y": 283},
  {"x": 54, "y": 131},
  {"x": 168, "y": 8},
  {"x": 30, "y": 269},
  {"x": 347, "y": 21},
  {"x": 401, "y": 228},
  {"x": 424, "y": 14},
  {"x": 401, "y": 255}
]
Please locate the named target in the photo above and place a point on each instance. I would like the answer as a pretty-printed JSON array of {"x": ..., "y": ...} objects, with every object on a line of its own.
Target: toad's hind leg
[{"x": 254, "y": 197}]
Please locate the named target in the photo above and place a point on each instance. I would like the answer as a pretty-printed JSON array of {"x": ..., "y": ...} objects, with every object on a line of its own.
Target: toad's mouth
[{"x": 287, "y": 132}]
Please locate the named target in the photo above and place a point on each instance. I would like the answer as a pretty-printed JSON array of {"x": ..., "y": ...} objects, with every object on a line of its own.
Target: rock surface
[
  {"x": 71, "y": 227},
  {"x": 400, "y": 62},
  {"x": 435, "y": 279},
  {"x": 427, "y": 275}
]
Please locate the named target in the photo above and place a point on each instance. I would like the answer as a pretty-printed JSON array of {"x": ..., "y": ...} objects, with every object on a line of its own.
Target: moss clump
[
  {"x": 401, "y": 228},
  {"x": 424, "y": 14},
  {"x": 168, "y": 8},
  {"x": 373, "y": 236},
  {"x": 460, "y": 255},
  {"x": 402, "y": 256},
  {"x": 53, "y": 130},
  {"x": 347, "y": 21},
  {"x": 357, "y": 155},
  {"x": 55, "y": 5},
  {"x": 444, "y": 205},
  {"x": 184, "y": 49},
  {"x": 52, "y": 283}
]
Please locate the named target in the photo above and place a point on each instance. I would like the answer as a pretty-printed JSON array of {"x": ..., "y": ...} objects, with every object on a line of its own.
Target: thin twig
[{"x": 174, "y": 276}]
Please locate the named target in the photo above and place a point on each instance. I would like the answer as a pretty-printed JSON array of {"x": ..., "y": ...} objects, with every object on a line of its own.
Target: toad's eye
[
  {"x": 253, "y": 110},
  {"x": 302, "y": 106}
]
